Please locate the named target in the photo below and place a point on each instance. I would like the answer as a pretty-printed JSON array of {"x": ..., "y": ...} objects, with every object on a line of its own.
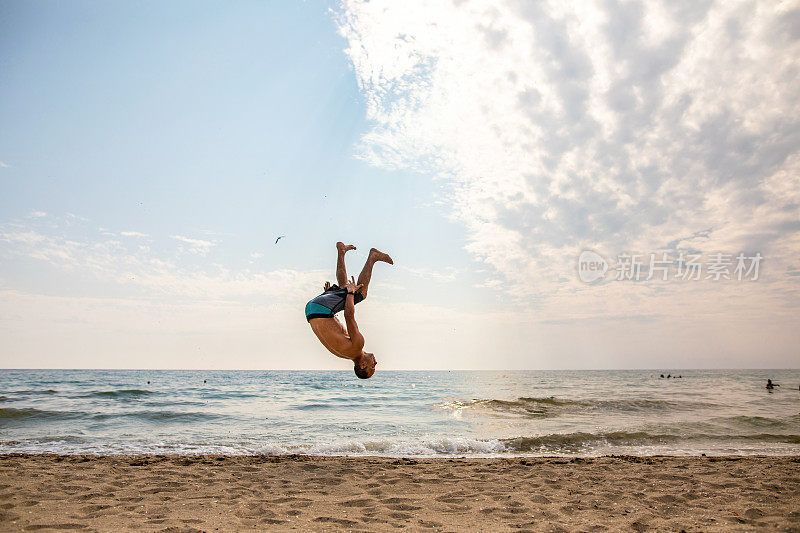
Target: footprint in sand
[
  {"x": 452, "y": 508},
  {"x": 357, "y": 503},
  {"x": 93, "y": 508},
  {"x": 340, "y": 521},
  {"x": 272, "y": 521},
  {"x": 753, "y": 513},
  {"x": 394, "y": 501},
  {"x": 374, "y": 519},
  {"x": 403, "y": 507},
  {"x": 34, "y": 527},
  {"x": 449, "y": 499},
  {"x": 667, "y": 498},
  {"x": 257, "y": 511}
]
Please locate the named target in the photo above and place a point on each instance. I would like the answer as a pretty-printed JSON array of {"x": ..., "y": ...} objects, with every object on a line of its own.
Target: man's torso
[{"x": 331, "y": 333}]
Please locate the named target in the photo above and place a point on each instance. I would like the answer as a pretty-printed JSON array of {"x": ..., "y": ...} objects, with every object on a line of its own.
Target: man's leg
[
  {"x": 366, "y": 272},
  {"x": 341, "y": 271}
]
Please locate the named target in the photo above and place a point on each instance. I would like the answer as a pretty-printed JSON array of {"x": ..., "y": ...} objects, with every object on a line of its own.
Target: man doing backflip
[{"x": 347, "y": 343}]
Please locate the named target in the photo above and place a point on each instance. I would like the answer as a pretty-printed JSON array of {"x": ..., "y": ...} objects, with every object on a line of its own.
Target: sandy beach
[{"x": 207, "y": 493}]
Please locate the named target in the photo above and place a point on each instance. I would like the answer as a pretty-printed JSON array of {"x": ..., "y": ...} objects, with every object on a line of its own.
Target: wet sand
[{"x": 208, "y": 493}]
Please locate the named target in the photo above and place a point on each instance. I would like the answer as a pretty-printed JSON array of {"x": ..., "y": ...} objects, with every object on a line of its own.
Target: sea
[{"x": 400, "y": 413}]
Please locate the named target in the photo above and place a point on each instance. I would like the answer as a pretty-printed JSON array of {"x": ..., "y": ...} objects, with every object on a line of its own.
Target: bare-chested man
[{"x": 347, "y": 343}]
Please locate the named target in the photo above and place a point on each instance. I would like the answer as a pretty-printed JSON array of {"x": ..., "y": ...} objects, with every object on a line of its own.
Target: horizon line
[{"x": 410, "y": 369}]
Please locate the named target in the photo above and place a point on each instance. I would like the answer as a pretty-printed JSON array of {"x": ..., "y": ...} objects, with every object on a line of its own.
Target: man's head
[{"x": 364, "y": 366}]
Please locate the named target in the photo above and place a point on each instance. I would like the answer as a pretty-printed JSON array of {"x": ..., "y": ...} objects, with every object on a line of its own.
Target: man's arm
[{"x": 350, "y": 315}]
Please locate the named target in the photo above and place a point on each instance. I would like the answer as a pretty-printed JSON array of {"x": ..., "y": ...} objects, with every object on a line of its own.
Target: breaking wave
[
  {"x": 119, "y": 394},
  {"x": 29, "y": 413},
  {"x": 551, "y": 406}
]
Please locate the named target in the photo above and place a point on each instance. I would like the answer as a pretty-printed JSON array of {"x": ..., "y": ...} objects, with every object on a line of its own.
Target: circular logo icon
[{"x": 591, "y": 266}]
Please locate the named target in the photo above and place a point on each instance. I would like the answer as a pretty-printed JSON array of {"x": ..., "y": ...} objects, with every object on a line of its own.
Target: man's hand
[
  {"x": 352, "y": 287},
  {"x": 327, "y": 285}
]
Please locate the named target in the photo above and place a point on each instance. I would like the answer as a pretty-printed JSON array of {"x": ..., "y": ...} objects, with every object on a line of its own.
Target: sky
[{"x": 151, "y": 153}]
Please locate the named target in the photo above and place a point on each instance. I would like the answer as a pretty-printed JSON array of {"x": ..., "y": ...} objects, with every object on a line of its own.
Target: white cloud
[
  {"x": 615, "y": 126},
  {"x": 127, "y": 263},
  {"x": 4, "y": 165},
  {"x": 72, "y": 217},
  {"x": 149, "y": 308},
  {"x": 38, "y": 214},
  {"x": 196, "y": 246},
  {"x": 133, "y": 234}
]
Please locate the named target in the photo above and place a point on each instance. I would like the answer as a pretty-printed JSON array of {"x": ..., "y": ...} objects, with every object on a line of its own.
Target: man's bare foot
[
  {"x": 380, "y": 256},
  {"x": 342, "y": 247}
]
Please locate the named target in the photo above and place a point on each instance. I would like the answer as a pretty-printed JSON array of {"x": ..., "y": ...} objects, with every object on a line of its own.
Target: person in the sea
[
  {"x": 771, "y": 385},
  {"x": 346, "y": 341}
]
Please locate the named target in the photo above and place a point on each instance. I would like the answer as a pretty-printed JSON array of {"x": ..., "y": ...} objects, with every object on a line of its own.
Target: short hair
[{"x": 360, "y": 372}]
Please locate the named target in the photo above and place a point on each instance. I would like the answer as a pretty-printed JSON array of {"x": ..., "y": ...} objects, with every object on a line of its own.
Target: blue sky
[
  {"x": 180, "y": 120},
  {"x": 150, "y": 154}
]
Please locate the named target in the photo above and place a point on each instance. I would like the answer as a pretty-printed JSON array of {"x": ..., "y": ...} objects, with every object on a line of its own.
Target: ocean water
[{"x": 584, "y": 413}]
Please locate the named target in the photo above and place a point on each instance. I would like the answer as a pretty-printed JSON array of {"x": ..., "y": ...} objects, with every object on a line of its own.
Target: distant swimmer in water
[
  {"x": 345, "y": 342},
  {"x": 771, "y": 385}
]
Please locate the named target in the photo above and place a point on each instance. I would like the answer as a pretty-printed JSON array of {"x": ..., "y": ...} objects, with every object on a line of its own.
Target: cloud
[
  {"x": 196, "y": 246},
  {"x": 125, "y": 263},
  {"x": 613, "y": 126},
  {"x": 37, "y": 214},
  {"x": 150, "y": 306},
  {"x": 4, "y": 165},
  {"x": 133, "y": 234},
  {"x": 72, "y": 217}
]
